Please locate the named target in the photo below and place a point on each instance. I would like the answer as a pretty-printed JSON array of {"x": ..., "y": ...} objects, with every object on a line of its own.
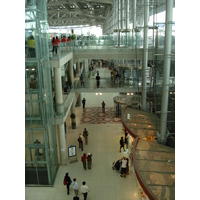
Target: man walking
[
  {"x": 84, "y": 190},
  {"x": 85, "y": 135}
]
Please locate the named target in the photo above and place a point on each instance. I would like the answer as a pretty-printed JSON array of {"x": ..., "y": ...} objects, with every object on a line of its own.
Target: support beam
[
  {"x": 145, "y": 58},
  {"x": 166, "y": 72}
]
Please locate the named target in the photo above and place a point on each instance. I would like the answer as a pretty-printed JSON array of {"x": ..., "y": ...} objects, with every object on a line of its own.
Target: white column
[
  {"x": 166, "y": 72},
  {"x": 145, "y": 57},
  {"x": 73, "y": 110},
  {"x": 58, "y": 91},
  {"x": 134, "y": 22},
  {"x": 62, "y": 144},
  {"x": 59, "y": 110}
]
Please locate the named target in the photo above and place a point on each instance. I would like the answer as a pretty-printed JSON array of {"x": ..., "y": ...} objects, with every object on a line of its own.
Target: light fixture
[
  {"x": 98, "y": 93},
  {"x": 127, "y": 94}
]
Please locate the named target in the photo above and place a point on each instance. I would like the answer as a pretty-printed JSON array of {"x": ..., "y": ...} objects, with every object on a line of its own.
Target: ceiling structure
[
  {"x": 77, "y": 12},
  {"x": 62, "y": 13}
]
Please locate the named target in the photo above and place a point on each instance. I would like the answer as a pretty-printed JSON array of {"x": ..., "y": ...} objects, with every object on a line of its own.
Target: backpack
[{"x": 86, "y": 133}]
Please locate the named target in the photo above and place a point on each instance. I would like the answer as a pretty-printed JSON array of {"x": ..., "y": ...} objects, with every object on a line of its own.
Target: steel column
[
  {"x": 166, "y": 72},
  {"x": 145, "y": 58}
]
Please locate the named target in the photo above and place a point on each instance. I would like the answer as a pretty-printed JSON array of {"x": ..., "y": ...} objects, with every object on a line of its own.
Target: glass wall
[{"x": 41, "y": 160}]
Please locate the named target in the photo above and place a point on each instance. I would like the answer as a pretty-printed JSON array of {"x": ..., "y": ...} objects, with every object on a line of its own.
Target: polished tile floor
[
  {"x": 104, "y": 182},
  {"x": 94, "y": 115}
]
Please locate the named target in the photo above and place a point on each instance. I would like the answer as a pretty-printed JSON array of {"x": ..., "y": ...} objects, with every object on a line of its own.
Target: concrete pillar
[
  {"x": 122, "y": 21},
  {"x": 71, "y": 70},
  {"x": 73, "y": 110},
  {"x": 145, "y": 57},
  {"x": 134, "y": 22},
  {"x": 127, "y": 20},
  {"x": 60, "y": 110},
  {"x": 58, "y": 91},
  {"x": 62, "y": 144},
  {"x": 119, "y": 20},
  {"x": 166, "y": 72}
]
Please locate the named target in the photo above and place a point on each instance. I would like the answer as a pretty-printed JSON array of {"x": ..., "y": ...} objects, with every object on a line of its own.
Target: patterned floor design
[{"x": 94, "y": 115}]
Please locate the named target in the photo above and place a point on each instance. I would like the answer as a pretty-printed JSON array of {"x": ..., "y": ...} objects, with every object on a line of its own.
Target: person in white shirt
[
  {"x": 75, "y": 186},
  {"x": 84, "y": 190},
  {"x": 123, "y": 167}
]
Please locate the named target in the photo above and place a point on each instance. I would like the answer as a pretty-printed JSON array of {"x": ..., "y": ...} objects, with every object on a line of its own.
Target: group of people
[
  {"x": 56, "y": 42},
  {"x": 84, "y": 188},
  {"x": 81, "y": 138},
  {"x": 122, "y": 165},
  {"x": 102, "y": 104},
  {"x": 86, "y": 159},
  {"x": 123, "y": 141}
]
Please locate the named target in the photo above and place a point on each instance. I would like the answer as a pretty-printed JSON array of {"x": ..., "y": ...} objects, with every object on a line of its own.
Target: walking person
[
  {"x": 83, "y": 102},
  {"x": 121, "y": 144},
  {"x": 58, "y": 44},
  {"x": 85, "y": 135},
  {"x": 54, "y": 44},
  {"x": 89, "y": 160},
  {"x": 83, "y": 159},
  {"x": 123, "y": 167},
  {"x": 98, "y": 80},
  {"x": 103, "y": 106},
  {"x": 80, "y": 140},
  {"x": 68, "y": 182},
  {"x": 75, "y": 186},
  {"x": 84, "y": 190},
  {"x": 63, "y": 41},
  {"x": 81, "y": 79}
]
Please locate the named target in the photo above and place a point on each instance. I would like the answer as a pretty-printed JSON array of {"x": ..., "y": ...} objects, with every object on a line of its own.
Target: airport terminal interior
[{"x": 117, "y": 52}]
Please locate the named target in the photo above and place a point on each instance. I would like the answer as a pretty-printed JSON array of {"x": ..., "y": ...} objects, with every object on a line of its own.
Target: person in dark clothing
[
  {"x": 117, "y": 165},
  {"x": 121, "y": 144},
  {"x": 83, "y": 102},
  {"x": 103, "y": 106},
  {"x": 68, "y": 182},
  {"x": 98, "y": 80},
  {"x": 85, "y": 135},
  {"x": 54, "y": 44},
  {"x": 81, "y": 80}
]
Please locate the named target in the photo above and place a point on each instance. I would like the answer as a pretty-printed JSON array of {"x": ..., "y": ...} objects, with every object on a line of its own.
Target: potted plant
[
  {"x": 73, "y": 36},
  {"x": 73, "y": 116}
]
